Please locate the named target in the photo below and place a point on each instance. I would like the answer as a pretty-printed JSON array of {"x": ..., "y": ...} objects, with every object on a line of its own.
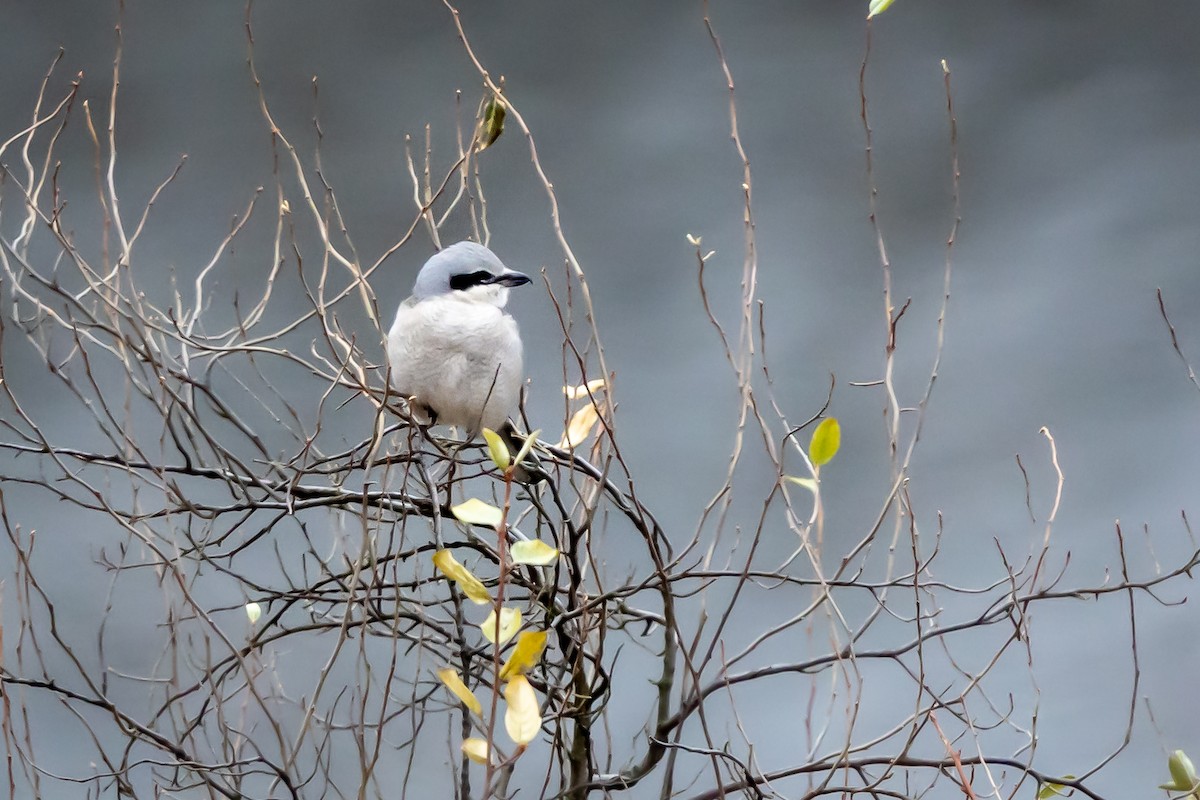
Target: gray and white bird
[{"x": 453, "y": 349}]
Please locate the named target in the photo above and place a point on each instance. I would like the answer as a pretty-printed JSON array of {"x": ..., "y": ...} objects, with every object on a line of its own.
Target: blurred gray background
[{"x": 1079, "y": 144}]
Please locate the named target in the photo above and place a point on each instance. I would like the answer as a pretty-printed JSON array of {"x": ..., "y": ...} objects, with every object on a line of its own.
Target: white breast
[{"x": 459, "y": 358}]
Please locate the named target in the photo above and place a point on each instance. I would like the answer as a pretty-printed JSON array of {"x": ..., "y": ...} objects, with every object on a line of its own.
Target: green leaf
[
  {"x": 530, "y": 441},
  {"x": 491, "y": 123},
  {"x": 1049, "y": 789},
  {"x": 878, "y": 7},
  {"x": 497, "y": 449},
  {"x": 826, "y": 440},
  {"x": 1183, "y": 774}
]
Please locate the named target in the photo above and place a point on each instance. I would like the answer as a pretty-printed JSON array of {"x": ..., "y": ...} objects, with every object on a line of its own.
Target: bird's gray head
[{"x": 470, "y": 269}]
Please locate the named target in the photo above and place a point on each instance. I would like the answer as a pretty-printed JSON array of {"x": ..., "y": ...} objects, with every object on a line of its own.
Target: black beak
[{"x": 510, "y": 279}]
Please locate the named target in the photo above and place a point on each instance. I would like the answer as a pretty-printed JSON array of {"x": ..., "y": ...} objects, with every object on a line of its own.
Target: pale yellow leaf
[
  {"x": 510, "y": 623},
  {"x": 454, "y": 683},
  {"x": 476, "y": 750},
  {"x": 1183, "y": 774},
  {"x": 585, "y": 389},
  {"x": 527, "y": 653},
  {"x": 253, "y": 612},
  {"x": 807, "y": 483},
  {"x": 530, "y": 441},
  {"x": 477, "y": 512},
  {"x": 470, "y": 585},
  {"x": 497, "y": 449},
  {"x": 522, "y": 718},
  {"x": 582, "y": 422},
  {"x": 534, "y": 552}
]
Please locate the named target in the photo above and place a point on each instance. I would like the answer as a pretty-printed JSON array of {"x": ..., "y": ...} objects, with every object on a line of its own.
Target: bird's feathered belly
[{"x": 462, "y": 360}]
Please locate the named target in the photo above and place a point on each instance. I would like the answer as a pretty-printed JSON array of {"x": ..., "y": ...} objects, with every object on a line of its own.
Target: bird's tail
[{"x": 529, "y": 470}]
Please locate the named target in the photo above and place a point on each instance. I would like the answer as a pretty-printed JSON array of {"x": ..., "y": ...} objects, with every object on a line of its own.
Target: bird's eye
[{"x": 478, "y": 278}]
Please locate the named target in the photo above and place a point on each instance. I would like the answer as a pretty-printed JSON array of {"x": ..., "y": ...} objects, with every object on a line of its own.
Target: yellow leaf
[
  {"x": 582, "y": 422},
  {"x": 477, "y": 512},
  {"x": 585, "y": 389},
  {"x": 878, "y": 7},
  {"x": 497, "y": 449},
  {"x": 825, "y": 442},
  {"x": 476, "y": 750},
  {"x": 449, "y": 676},
  {"x": 522, "y": 718},
  {"x": 527, "y": 653},
  {"x": 470, "y": 585},
  {"x": 510, "y": 622},
  {"x": 253, "y": 612},
  {"x": 534, "y": 552}
]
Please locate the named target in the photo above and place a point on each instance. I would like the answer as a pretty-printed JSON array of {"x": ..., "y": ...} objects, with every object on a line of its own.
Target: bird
[{"x": 454, "y": 352}]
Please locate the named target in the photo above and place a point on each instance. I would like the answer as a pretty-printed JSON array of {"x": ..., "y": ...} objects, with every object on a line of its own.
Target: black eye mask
[
  {"x": 484, "y": 278},
  {"x": 479, "y": 277}
]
